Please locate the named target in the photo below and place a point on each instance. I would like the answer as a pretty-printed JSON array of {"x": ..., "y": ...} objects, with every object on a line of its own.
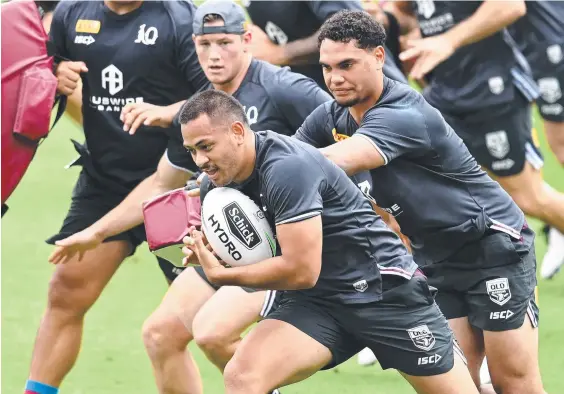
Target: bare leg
[
  {"x": 220, "y": 322},
  {"x": 73, "y": 289},
  {"x": 167, "y": 332}
]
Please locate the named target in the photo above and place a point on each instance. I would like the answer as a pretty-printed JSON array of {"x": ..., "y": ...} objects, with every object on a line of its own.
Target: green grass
[{"x": 112, "y": 358}]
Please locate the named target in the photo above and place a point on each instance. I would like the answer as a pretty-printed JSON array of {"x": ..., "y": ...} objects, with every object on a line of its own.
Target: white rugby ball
[{"x": 236, "y": 227}]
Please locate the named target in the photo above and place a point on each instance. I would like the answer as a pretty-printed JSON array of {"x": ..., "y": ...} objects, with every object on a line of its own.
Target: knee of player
[
  {"x": 511, "y": 380},
  {"x": 159, "y": 334},
  {"x": 239, "y": 377},
  {"x": 211, "y": 341},
  {"x": 69, "y": 294}
]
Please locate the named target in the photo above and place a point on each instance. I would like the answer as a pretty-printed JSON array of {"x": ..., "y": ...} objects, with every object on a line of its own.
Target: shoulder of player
[
  {"x": 400, "y": 105},
  {"x": 281, "y": 155},
  {"x": 278, "y": 80}
]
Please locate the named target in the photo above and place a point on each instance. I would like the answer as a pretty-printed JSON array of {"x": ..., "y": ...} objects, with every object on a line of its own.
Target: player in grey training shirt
[
  {"x": 348, "y": 280},
  {"x": 540, "y": 35},
  {"x": 274, "y": 98},
  {"x": 467, "y": 234},
  {"x": 286, "y": 33},
  {"x": 482, "y": 85}
]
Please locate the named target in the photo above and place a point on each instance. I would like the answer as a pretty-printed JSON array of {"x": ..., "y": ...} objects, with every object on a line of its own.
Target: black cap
[{"x": 232, "y": 14}]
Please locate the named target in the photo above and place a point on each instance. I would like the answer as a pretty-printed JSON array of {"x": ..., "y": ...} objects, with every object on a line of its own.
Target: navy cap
[{"x": 232, "y": 14}]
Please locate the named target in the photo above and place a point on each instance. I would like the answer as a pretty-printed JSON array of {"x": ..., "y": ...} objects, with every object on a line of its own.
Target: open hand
[
  {"x": 135, "y": 115},
  {"x": 76, "y": 244},
  {"x": 427, "y": 53}
]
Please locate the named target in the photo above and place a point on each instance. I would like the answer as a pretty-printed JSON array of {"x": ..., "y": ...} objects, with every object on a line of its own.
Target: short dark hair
[
  {"x": 347, "y": 25},
  {"x": 216, "y": 104}
]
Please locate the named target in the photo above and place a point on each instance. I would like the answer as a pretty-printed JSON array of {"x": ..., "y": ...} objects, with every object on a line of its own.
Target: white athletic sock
[{"x": 366, "y": 357}]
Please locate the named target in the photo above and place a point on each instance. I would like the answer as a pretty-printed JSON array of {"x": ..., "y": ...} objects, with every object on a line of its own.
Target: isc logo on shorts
[
  {"x": 498, "y": 290},
  {"x": 429, "y": 360},
  {"x": 422, "y": 337},
  {"x": 501, "y": 315}
]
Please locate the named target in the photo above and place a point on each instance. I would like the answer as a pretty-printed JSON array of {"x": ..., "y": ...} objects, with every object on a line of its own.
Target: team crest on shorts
[
  {"x": 554, "y": 53},
  {"x": 360, "y": 286},
  {"x": 497, "y": 143},
  {"x": 496, "y": 85},
  {"x": 550, "y": 89},
  {"x": 498, "y": 290},
  {"x": 422, "y": 337},
  {"x": 426, "y": 8}
]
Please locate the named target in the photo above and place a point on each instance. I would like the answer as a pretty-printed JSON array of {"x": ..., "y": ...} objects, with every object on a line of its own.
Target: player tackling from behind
[
  {"x": 467, "y": 234},
  {"x": 349, "y": 281}
]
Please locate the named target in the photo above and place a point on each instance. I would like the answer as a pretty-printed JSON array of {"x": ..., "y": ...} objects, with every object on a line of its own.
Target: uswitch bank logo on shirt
[{"x": 112, "y": 82}]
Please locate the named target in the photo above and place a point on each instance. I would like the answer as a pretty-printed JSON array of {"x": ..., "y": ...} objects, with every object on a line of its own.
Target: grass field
[{"x": 112, "y": 358}]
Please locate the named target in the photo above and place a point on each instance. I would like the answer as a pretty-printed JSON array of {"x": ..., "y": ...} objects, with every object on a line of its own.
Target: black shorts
[
  {"x": 170, "y": 270},
  {"x": 90, "y": 202},
  {"x": 500, "y": 139},
  {"x": 271, "y": 299},
  {"x": 406, "y": 330},
  {"x": 491, "y": 281},
  {"x": 548, "y": 71}
]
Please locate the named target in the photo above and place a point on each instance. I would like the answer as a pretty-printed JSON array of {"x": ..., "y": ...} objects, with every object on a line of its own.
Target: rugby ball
[{"x": 236, "y": 227}]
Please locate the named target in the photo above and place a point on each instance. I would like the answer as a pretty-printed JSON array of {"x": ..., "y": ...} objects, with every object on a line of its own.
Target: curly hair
[{"x": 347, "y": 25}]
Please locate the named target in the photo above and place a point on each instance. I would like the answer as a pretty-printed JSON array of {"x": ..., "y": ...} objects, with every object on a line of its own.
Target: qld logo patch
[
  {"x": 554, "y": 53},
  {"x": 422, "y": 337},
  {"x": 496, "y": 85},
  {"x": 426, "y": 8},
  {"x": 497, "y": 144},
  {"x": 550, "y": 89},
  {"x": 498, "y": 290},
  {"x": 360, "y": 286}
]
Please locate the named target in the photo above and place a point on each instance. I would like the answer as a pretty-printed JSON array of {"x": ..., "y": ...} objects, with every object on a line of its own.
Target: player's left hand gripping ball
[{"x": 194, "y": 244}]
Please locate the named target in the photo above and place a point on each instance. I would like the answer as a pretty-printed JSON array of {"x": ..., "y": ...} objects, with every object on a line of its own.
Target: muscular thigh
[
  {"x": 229, "y": 311},
  {"x": 79, "y": 283},
  {"x": 185, "y": 297},
  {"x": 291, "y": 354}
]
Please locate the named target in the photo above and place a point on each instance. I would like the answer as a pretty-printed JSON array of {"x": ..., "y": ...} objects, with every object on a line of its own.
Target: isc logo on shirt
[
  {"x": 87, "y": 26},
  {"x": 86, "y": 40}
]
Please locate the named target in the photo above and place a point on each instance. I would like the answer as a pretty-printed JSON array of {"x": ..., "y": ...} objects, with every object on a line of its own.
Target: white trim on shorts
[
  {"x": 533, "y": 157},
  {"x": 268, "y": 302},
  {"x": 458, "y": 350},
  {"x": 531, "y": 314}
]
